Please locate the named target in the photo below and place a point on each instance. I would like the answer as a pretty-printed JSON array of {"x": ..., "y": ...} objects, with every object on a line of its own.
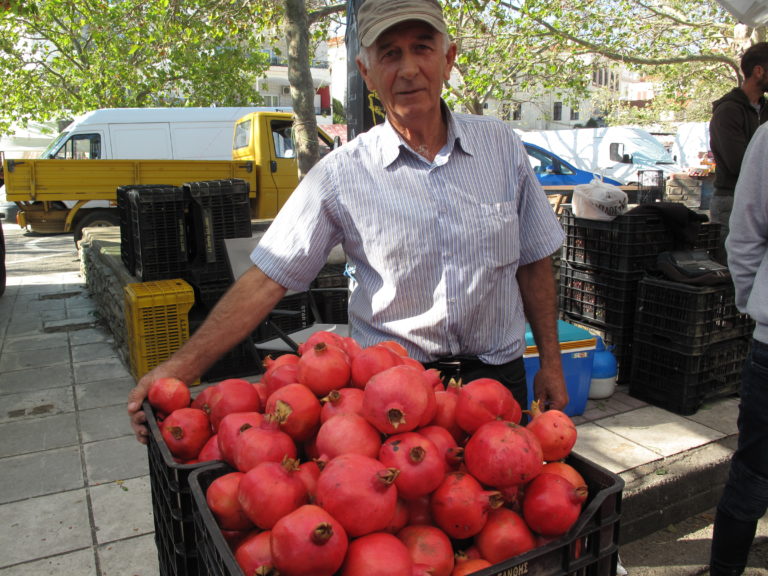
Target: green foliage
[{"x": 63, "y": 57}]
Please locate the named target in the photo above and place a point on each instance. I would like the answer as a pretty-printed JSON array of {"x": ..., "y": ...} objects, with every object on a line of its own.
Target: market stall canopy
[{"x": 750, "y": 12}]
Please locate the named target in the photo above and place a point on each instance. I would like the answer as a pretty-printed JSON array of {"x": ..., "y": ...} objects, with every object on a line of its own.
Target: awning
[{"x": 750, "y": 12}]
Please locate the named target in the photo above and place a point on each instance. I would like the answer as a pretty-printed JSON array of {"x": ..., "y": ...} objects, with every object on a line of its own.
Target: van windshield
[
  {"x": 650, "y": 152},
  {"x": 53, "y": 146}
]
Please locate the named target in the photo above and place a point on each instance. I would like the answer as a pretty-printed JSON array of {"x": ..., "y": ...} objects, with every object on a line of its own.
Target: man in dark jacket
[{"x": 735, "y": 117}]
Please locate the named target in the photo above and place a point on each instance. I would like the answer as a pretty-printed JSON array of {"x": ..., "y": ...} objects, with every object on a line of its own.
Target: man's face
[{"x": 407, "y": 67}]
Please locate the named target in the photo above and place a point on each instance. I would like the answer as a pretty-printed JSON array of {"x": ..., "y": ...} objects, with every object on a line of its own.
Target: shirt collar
[{"x": 393, "y": 145}]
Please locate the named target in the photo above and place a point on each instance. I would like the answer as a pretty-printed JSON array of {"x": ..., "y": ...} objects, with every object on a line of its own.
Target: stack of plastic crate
[
  {"x": 601, "y": 266},
  {"x": 218, "y": 209},
  {"x": 153, "y": 231},
  {"x": 689, "y": 344}
]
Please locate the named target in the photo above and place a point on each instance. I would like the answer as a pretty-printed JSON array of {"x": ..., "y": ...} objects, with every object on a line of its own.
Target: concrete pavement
[{"x": 76, "y": 496}]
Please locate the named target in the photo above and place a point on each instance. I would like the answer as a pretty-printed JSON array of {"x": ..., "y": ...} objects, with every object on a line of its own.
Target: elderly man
[{"x": 439, "y": 214}]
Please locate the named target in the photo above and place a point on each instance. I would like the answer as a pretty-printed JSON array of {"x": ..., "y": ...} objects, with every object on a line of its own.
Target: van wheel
[{"x": 95, "y": 219}]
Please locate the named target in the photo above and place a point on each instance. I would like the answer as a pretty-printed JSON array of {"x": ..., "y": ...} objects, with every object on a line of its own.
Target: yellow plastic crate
[{"x": 157, "y": 318}]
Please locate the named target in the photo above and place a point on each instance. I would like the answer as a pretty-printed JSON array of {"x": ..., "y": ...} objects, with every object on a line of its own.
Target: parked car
[{"x": 551, "y": 170}]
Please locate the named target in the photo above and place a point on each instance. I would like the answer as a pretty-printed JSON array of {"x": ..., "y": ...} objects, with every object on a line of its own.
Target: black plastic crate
[
  {"x": 589, "y": 548},
  {"x": 630, "y": 242},
  {"x": 681, "y": 382},
  {"x": 158, "y": 230},
  {"x": 332, "y": 305},
  {"x": 209, "y": 286},
  {"x": 172, "y": 507},
  {"x": 618, "y": 338},
  {"x": 708, "y": 237},
  {"x": 604, "y": 296},
  {"x": 126, "y": 233},
  {"x": 291, "y": 314},
  {"x": 218, "y": 209},
  {"x": 241, "y": 361},
  {"x": 331, "y": 276},
  {"x": 688, "y": 318}
]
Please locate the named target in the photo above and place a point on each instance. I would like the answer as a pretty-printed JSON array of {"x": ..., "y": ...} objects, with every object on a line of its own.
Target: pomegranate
[
  {"x": 322, "y": 337},
  {"x": 370, "y": 361},
  {"x": 271, "y": 363},
  {"x": 554, "y": 429},
  {"x": 185, "y": 432},
  {"x": 203, "y": 399},
  {"x": 445, "y": 411},
  {"x": 297, "y": 410},
  {"x": 445, "y": 444},
  {"x": 470, "y": 566},
  {"x": 210, "y": 450},
  {"x": 359, "y": 492},
  {"x": 483, "y": 400},
  {"x": 168, "y": 394},
  {"x": 341, "y": 401},
  {"x": 502, "y": 454},
  {"x": 430, "y": 546},
  {"x": 377, "y": 554},
  {"x": 280, "y": 376},
  {"x": 230, "y": 428},
  {"x": 350, "y": 346},
  {"x": 270, "y": 490},
  {"x": 396, "y": 347},
  {"x": 504, "y": 535},
  {"x": 400, "y": 519},
  {"x": 308, "y": 473},
  {"x": 551, "y": 505},
  {"x": 221, "y": 497},
  {"x": 421, "y": 466},
  {"x": 263, "y": 443},
  {"x": 323, "y": 368},
  {"x": 347, "y": 433},
  {"x": 309, "y": 540},
  {"x": 261, "y": 389},
  {"x": 460, "y": 505},
  {"x": 569, "y": 473},
  {"x": 419, "y": 511},
  {"x": 234, "y": 395},
  {"x": 254, "y": 555},
  {"x": 395, "y": 399}
]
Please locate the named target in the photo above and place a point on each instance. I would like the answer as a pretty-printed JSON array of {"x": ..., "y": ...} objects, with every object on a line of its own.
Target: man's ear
[
  {"x": 450, "y": 59},
  {"x": 364, "y": 73}
]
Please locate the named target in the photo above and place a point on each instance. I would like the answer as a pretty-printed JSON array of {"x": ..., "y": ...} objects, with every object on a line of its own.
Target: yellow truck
[{"x": 66, "y": 193}]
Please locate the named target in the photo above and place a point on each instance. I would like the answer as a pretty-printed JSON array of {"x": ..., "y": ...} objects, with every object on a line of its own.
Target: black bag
[{"x": 692, "y": 267}]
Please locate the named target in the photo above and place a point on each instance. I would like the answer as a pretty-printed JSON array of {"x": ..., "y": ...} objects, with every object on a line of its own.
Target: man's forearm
[
  {"x": 537, "y": 288},
  {"x": 233, "y": 318}
]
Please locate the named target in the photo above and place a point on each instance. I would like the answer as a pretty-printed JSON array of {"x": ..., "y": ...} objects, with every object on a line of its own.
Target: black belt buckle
[{"x": 450, "y": 368}]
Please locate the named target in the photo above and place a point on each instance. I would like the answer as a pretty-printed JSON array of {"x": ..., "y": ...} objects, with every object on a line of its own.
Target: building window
[
  {"x": 574, "y": 113},
  {"x": 517, "y": 111},
  {"x": 557, "y": 112},
  {"x": 271, "y": 101}
]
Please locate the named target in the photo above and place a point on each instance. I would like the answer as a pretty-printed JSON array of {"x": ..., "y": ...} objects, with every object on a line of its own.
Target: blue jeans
[{"x": 745, "y": 497}]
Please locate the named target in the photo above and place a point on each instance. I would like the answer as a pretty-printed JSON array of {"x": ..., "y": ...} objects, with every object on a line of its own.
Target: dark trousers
[{"x": 745, "y": 497}]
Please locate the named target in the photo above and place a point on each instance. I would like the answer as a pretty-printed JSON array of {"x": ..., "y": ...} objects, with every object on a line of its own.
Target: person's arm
[
  {"x": 233, "y": 318},
  {"x": 537, "y": 287}
]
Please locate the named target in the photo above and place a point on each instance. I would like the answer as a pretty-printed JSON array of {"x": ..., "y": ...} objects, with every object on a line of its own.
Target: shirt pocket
[{"x": 495, "y": 232}]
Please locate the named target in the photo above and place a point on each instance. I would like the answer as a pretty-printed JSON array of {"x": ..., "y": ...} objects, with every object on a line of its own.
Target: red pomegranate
[
  {"x": 253, "y": 553},
  {"x": 400, "y": 518},
  {"x": 569, "y": 473},
  {"x": 280, "y": 376},
  {"x": 270, "y": 490},
  {"x": 359, "y": 492},
  {"x": 502, "y": 454},
  {"x": 347, "y": 433},
  {"x": 221, "y": 497},
  {"x": 377, "y": 554},
  {"x": 554, "y": 429},
  {"x": 235, "y": 395},
  {"x": 483, "y": 400},
  {"x": 321, "y": 337},
  {"x": 323, "y": 368},
  {"x": 263, "y": 443},
  {"x": 203, "y": 400},
  {"x": 341, "y": 401},
  {"x": 185, "y": 432},
  {"x": 421, "y": 465},
  {"x": 504, "y": 535},
  {"x": 370, "y": 361},
  {"x": 270, "y": 363},
  {"x": 210, "y": 450},
  {"x": 308, "y": 473},
  {"x": 395, "y": 346},
  {"x": 429, "y": 546},
  {"x": 230, "y": 428},
  {"x": 168, "y": 394},
  {"x": 445, "y": 444},
  {"x": 419, "y": 511},
  {"x": 395, "y": 399},
  {"x": 470, "y": 566},
  {"x": 460, "y": 505},
  {"x": 309, "y": 540},
  {"x": 551, "y": 505},
  {"x": 296, "y": 409},
  {"x": 445, "y": 411}
]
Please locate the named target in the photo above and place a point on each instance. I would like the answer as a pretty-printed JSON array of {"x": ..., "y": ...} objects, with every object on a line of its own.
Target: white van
[
  {"x": 150, "y": 134},
  {"x": 616, "y": 152}
]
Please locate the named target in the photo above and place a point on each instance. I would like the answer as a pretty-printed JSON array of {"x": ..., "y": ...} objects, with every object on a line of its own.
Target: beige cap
[{"x": 376, "y": 16}]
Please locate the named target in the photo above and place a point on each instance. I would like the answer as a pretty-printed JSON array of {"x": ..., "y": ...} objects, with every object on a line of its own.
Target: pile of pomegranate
[{"x": 358, "y": 461}]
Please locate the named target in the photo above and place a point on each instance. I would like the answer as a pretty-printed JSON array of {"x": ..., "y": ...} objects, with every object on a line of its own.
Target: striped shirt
[{"x": 435, "y": 246}]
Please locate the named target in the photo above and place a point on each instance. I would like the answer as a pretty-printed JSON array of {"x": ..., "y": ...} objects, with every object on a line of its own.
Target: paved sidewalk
[{"x": 76, "y": 496}]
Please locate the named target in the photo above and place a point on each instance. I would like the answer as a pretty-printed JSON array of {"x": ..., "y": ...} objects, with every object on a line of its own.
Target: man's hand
[
  {"x": 136, "y": 399},
  {"x": 549, "y": 388}
]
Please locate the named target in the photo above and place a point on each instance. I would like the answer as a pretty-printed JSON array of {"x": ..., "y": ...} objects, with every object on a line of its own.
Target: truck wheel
[{"x": 95, "y": 219}]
